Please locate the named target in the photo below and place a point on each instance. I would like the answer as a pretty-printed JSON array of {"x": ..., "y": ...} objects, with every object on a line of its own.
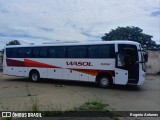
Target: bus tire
[
  {"x": 34, "y": 76},
  {"x": 104, "y": 81}
]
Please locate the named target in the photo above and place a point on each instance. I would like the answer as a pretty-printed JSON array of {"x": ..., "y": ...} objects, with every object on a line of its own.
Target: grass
[
  {"x": 5, "y": 87},
  {"x": 94, "y": 106},
  {"x": 116, "y": 118},
  {"x": 91, "y": 106},
  {"x": 7, "y": 118},
  {"x": 35, "y": 105},
  {"x": 29, "y": 95},
  {"x": 87, "y": 106},
  {"x": 58, "y": 85}
]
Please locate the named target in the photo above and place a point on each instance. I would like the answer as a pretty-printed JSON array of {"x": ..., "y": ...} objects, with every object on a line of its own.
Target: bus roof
[{"x": 78, "y": 43}]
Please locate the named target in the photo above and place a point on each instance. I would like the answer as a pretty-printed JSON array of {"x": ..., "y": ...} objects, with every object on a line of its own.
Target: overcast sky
[{"x": 45, "y": 21}]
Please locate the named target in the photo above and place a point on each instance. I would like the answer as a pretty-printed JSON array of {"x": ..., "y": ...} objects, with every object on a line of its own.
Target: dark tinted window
[
  {"x": 77, "y": 52},
  {"x": 56, "y": 52},
  {"x": 72, "y": 52},
  {"x": 112, "y": 51},
  {"x": 101, "y": 51},
  {"x": 12, "y": 52},
  {"x": 24, "y": 52},
  {"x": 93, "y": 52},
  {"x": 130, "y": 50},
  {"x": 82, "y": 52},
  {"x": 106, "y": 51},
  {"x": 125, "y": 48},
  {"x": 35, "y": 52},
  {"x": 43, "y": 52}
]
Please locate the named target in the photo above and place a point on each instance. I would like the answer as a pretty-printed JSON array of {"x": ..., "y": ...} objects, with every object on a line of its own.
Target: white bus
[{"x": 105, "y": 62}]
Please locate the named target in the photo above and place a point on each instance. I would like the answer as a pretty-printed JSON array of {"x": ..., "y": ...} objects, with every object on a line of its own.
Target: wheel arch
[
  {"x": 34, "y": 70},
  {"x": 108, "y": 74}
]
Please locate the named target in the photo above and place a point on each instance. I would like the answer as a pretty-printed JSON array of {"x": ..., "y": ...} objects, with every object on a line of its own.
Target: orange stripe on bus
[{"x": 31, "y": 63}]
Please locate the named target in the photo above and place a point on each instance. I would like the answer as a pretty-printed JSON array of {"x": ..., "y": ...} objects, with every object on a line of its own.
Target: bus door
[
  {"x": 121, "y": 75},
  {"x": 127, "y": 60}
]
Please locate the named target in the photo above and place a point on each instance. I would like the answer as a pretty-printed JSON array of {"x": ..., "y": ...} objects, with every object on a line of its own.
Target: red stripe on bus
[
  {"x": 28, "y": 63},
  {"x": 31, "y": 63},
  {"x": 16, "y": 63}
]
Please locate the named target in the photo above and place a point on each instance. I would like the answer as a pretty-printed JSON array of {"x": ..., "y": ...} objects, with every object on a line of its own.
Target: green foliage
[
  {"x": 158, "y": 46},
  {"x": 116, "y": 118},
  {"x": 7, "y": 118},
  {"x": 93, "y": 105},
  {"x": 35, "y": 105},
  {"x": 14, "y": 42},
  {"x": 132, "y": 34}
]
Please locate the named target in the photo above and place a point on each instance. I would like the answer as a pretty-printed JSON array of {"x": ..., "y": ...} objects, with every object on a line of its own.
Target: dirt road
[{"x": 20, "y": 94}]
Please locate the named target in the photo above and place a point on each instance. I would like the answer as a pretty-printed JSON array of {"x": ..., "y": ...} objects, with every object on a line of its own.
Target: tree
[
  {"x": 158, "y": 46},
  {"x": 132, "y": 34},
  {"x": 14, "y": 42}
]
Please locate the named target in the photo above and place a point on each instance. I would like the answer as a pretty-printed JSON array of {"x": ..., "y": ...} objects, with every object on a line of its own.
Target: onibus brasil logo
[{"x": 21, "y": 114}]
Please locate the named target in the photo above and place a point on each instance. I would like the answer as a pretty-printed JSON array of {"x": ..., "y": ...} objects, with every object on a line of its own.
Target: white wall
[{"x": 153, "y": 64}]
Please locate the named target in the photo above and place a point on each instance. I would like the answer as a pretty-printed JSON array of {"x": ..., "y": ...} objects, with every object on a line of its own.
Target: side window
[
  {"x": 43, "y": 52},
  {"x": 35, "y": 52},
  {"x": 107, "y": 51},
  {"x": 112, "y": 51},
  {"x": 127, "y": 55},
  {"x": 52, "y": 52},
  {"x": 72, "y": 52},
  {"x": 56, "y": 52},
  {"x": 15, "y": 52},
  {"x": 8, "y": 52},
  {"x": 104, "y": 51},
  {"x": 130, "y": 50},
  {"x": 12, "y": 52},
  {"x": 93, "y": 51},
  {"x": 120, "y": 60},
  {"x": 61, "y": 52},
  {"x": 82, "y": 52},
  {"x": 24, "y": 52}
]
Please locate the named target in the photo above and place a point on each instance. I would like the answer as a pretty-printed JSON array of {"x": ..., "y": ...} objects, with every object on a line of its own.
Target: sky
[{"x": 50, "y": 21}]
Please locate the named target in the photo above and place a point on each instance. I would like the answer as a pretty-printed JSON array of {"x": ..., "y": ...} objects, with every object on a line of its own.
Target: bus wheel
[
  {"x": 104, "y": 82},
  {"x": 34, "y": 76}
]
